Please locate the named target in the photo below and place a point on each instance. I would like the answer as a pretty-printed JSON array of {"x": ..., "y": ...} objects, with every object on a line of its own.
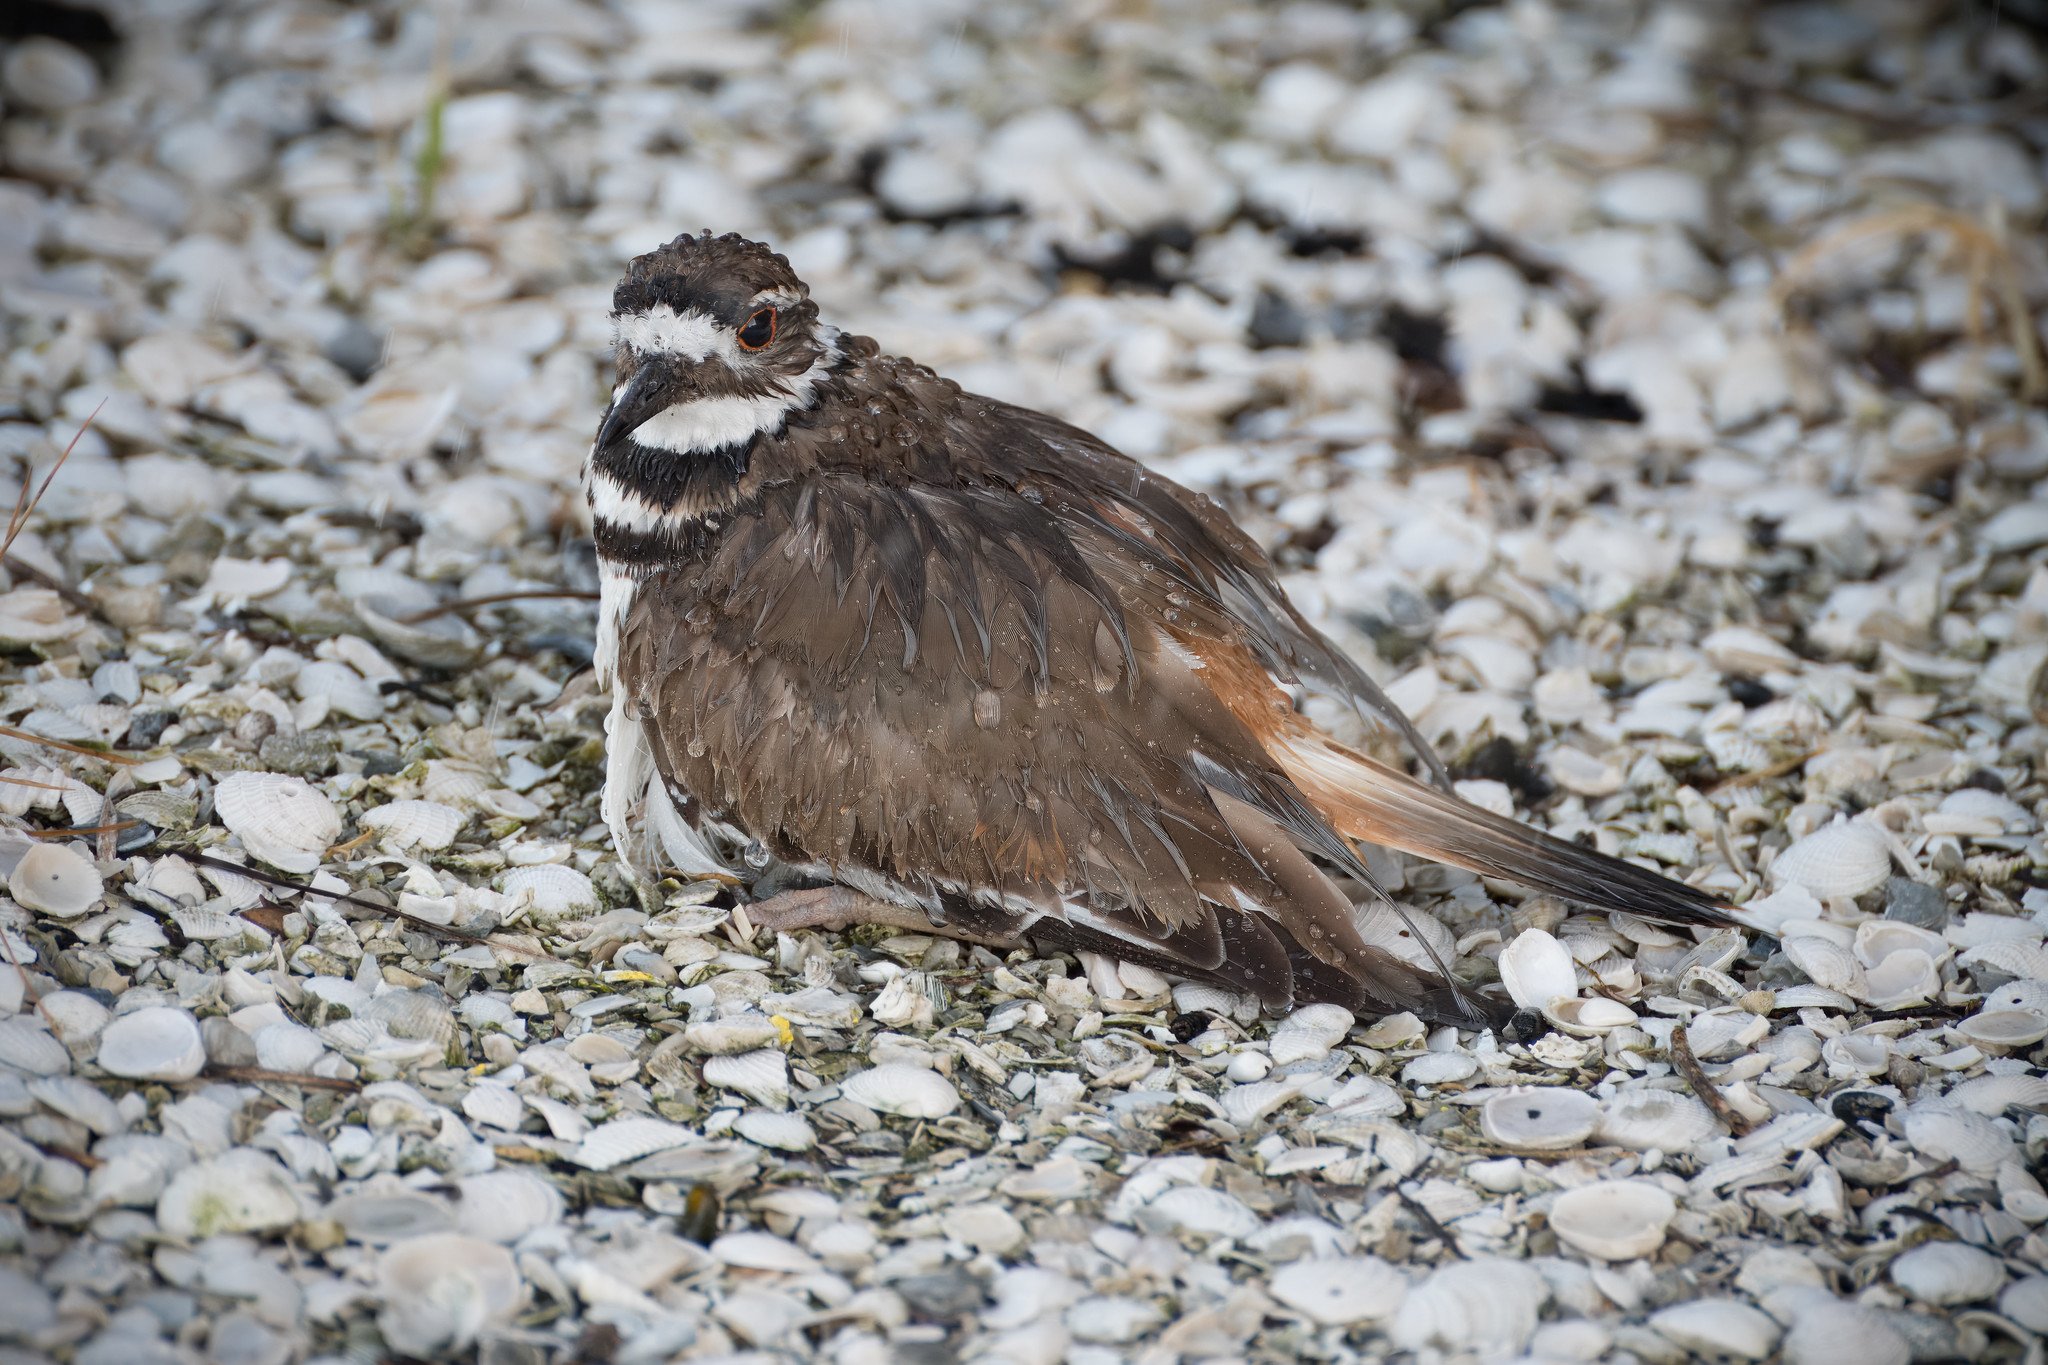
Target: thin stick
[
  {"x": 81, "y": 750},
  {"x": 263, "y": 1075},
  {"x": 493, "y": 599},
  {"x": 21, "y": 568},
  {"x": 1778, "y": 769},
  {"x": 1709, "y": 1093},
  {"x": 24, "y": 505}
]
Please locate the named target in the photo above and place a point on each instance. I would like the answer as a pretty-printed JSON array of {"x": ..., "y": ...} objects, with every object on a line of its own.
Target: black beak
[{"x": 645, "y": 395}]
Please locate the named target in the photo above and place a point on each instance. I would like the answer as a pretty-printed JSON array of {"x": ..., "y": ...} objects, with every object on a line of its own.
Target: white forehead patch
[{"x": 661, "y": 330}]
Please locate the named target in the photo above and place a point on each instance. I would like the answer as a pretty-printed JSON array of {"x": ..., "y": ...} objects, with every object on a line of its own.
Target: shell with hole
[
  {"x": 1539, "y": 1120},
  {"x": 56, "y": 880}
]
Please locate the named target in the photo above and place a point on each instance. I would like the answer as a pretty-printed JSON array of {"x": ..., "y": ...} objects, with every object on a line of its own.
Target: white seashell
[
  {"x": 1826, "y": 963},
  {"x": 1614, "y": 1220},
  {"x": 762, "y": 1251},
  {"x": 241, "y": 1190},
  {"x": 2011, "y": 957},
  {"x": 35, "y": 616},
  {"x": 340, "y": 689},
  {"x": 2004, "y": 1030},
  {"x": 745, "y": 1032},
  {"x": 901, "y": 1088},
  {"x": 1487, "y": 1306},
  {"x": 2025, "y": 1301},
  {"x": 1717, "y": 1328},
  {"x": 1904, "y": 976},
  {"x": 283, "y": 821},
  {"x": 154, "y": 1044},
  {"x": 1439, "y": 1068},
  {"x": 445, "y": 641},
  {"x": 1655, "y": 1120},
  {"x": 495, "y": 1106},
  {"x": 80, "y": 1101},
  {"x": 785, "y": 1132},
  {"x": 415, "y": 824},
  {"x": 1725, "y": 1031},
  {"x": 1974, "y": 813},
  {"x": 1993, "y": 1095},
  {"x": 27, "y": 1046},
  {"x": 621, "y": 1140},
  {"x": 1199, "y": 1210},
  {"x": 1948, "y": 1132},
  {"x": 1412, "y": 938},
  {"x": 1539, "y": 1120},
  {"x": 1856, "y": 1054},
  {"x": 440, "y": 1292},
  {"x": 1537, "y": 970},
  {"x": 1831, "y": 1332},
  {"x": 1589, "y": 1016},
  {"x": 1945, "y": 1273},
  {"x": 56, "y": 880},
  {"x": 1340, "y": 1290},
  {"x": 1842, "y": 859},
  {"x": 1741, "y": 649},
  {"x": 1311, "y": 1031},
  {"x": 761, "y": 1075},
  {"x": 379, "y": 1219},
  {"x": 551, "y": 888},
  {"x": 504, "y": 1205}
]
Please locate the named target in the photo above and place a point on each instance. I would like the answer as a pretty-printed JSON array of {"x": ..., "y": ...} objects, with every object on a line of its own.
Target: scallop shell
[
  {"x": 1614, "y": 1220},
  {"x": 156, "y": 1044},
  {"x": 283, "y": 821},
  {"x": 57, "y": 880},
  {"x": 1842, "y": 859},
  {"x": 1717, "y": 1329},
  {"x": 1974, "y": 813},
  {"x": 1948, "y": 1132},
  {"x": 1655, "y": 1120},
  {"x": 785, "y": 1132},
  {"x": 628, "y": 1139},
  {"x": 1487, "y": 1306},
  {"x": 1310, "y": 1032},
  {"x": 241, "y": 1190},
  {"x": 900, "y": 1088},
  {"x": 80, "y": 1101},
  {"x": 1993, "y": 1095},
  {"x": 1826, "y": 963},
  {"x": 1539, "y": 1120},
  {"x": 1340, "y": 1290},
  {"x": 1537, "y": 970},
  {"x": 415, "y": 824},
  {"x": 504, "y": 1205},
  {"x": 441, "y": 1291},
  {"x": 1945, "y": 1273},
  {"x": 551, "y": 888},
  {"x": 761, "y": 1075},
  {"x": 496, "y": 1106}
]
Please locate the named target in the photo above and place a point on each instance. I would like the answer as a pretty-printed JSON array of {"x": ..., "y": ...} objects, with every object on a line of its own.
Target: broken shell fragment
[
  {"x": 1614, "y": 1220},
  {"x": 283, "y": 821}
]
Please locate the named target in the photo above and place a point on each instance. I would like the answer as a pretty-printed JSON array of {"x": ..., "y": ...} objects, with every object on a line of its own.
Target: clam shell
[
  {"x": 440, "y": 1291},
  {"x": 900, "y": 1088},
  {"x": 1837, "y": 1333},
  {"x": 415, "y": 824},
  {"x": 1655, "y": 1120},
  {"x": 80, "y": 1101},
  {"x": 628, "y": 1139},
  {"x": 155, "y": 1044},
  {"x": 1944, "y": 1273},
  {"x": 57, "y": 880},
  {"x": 504, "y": 1205},
  {"x": 1487, "y": 1306},
  {"x": 1537, "y": 970},
  {"x": 379, "y": 1219},
  {"x": 1589, "y": 1016},
  {"x": 1943, "y": 1131},
  {"x": 241, "y": 1190},
  {"x": 762, "y": 1251},
  {"x": 2025, "y": 1301},
  {"x": 1974, "y": 813},
  {"x": 1614, "y": 1220},
  {"x": 27, "y": 1047},
  {"x": 2004, "y": 1030},
  {"x": 1310, "y": 1032},
  {"x": 761, "y": 1075},
  {"x": 1717, "y": 1328},
  {"x": 551, "y": 888},
  {"x": 785, "y": 1132},
  {"x": 283, "y": 821},
  {"x": 1826, "y": 963},
  {"x": 1842, "y": 859},
  {"x": 1341, "y": 1290},
  {"x": 1539, "y": 1120}
]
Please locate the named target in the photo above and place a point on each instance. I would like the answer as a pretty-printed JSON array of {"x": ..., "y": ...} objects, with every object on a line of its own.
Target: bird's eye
[{"x": 759, "y": 329}]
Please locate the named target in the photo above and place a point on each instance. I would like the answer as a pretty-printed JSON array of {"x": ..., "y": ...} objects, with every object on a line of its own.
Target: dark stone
[
  {"x": 1750, "y": 692},
  {"x": 1276, "y": 321},
  {"x": 1861, "y": 1106},
  {"x": 1187, "y": 1027},
  {"x": 1916, "y": 903},
  {"x": 943, "y": 1296},
  {"x": 302, "y": 755},
  {"x": 1498, "y": 760},
  {"x": 356, "y": 349},
  {"x": 146, "y": 729},
  {"x": 1526, "y": 1027}
]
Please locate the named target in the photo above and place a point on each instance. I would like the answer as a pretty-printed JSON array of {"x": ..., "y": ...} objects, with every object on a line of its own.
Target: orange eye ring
[{"x": 758, "y": 331}]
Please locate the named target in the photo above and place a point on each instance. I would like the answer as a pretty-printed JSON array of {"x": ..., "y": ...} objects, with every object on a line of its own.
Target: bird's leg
[{"x": 841, "y": 907}]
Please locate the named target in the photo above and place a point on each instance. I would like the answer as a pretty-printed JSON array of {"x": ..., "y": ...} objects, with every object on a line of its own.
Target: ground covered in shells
[{"x": 1650, "y": 393}]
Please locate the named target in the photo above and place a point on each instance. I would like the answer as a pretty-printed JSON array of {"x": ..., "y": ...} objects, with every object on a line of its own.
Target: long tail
[{"x": 1368, "y": 800}]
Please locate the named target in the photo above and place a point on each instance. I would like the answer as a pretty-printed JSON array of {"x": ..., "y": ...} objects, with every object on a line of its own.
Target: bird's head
[{"x": 716, "y": 339}]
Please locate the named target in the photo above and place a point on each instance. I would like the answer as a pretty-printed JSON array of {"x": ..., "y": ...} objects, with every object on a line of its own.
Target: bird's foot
[{"x": 841, "y": 907}]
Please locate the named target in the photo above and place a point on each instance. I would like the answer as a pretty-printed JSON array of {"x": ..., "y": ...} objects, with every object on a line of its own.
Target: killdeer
[{"x": 968, "y": 669}]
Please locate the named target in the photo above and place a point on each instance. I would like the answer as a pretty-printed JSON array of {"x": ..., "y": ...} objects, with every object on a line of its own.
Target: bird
[{"x": 936, "y": 661}]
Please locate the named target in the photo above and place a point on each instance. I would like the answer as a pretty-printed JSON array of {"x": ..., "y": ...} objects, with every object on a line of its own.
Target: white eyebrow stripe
[{"x": 661, "y": 330}]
